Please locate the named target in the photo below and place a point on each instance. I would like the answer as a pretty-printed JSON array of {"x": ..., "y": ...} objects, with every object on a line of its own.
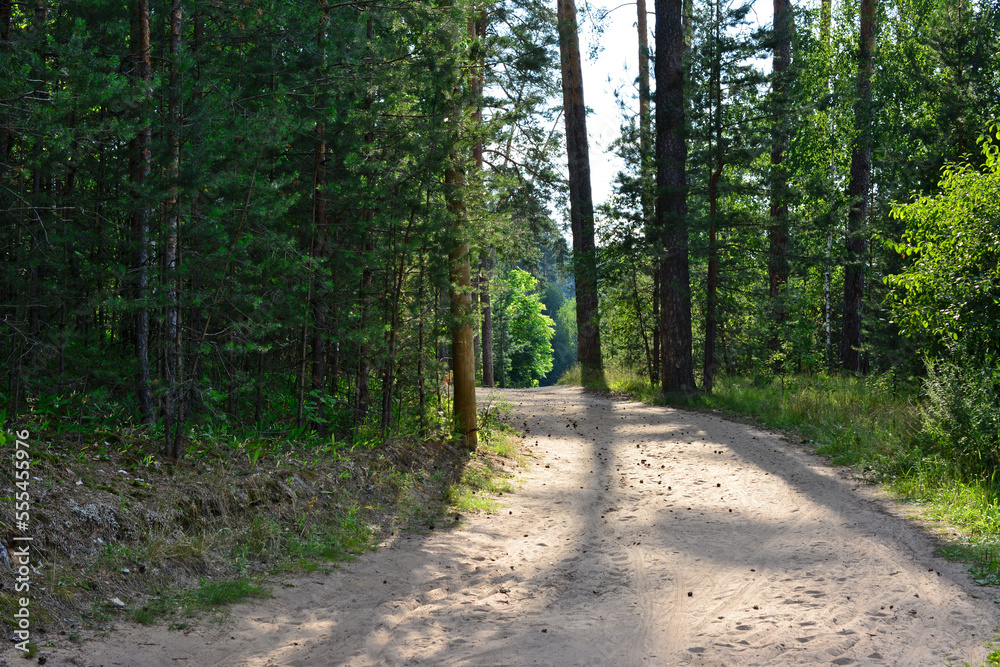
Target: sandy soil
[{"x": 641, "y": 535}]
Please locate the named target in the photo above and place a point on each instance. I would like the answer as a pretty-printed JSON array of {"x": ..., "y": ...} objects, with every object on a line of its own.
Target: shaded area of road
[{"x": 641, "y": 535}]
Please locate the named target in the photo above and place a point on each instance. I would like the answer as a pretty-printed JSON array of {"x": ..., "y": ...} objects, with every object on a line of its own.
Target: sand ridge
[{"x": 641, "y": 536}]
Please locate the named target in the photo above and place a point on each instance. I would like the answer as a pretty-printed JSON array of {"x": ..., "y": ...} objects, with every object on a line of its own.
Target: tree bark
[
  {"x": 580, "y": 199},
  {"x": 647, "y": 173},
  {"x": 715, "y": 175},
  {"x": 140, "y": 213},
  {"x": 677, "y": 366},
  {"x": 363, "y": 395},
  {"x": 172, "y": 331},
  {"x": 825, "y": 22},
  {"x": 462, "y": 349},
  {"x": 320, "y": 231},
  {"x": 861, "y": 164},
  {"x": 777, "y": 268}
]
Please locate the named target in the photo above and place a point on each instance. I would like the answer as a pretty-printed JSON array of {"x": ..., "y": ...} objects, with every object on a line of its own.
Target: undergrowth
[
  {"x": 880, "y": 426},
  {"x": 118, "y": 530},
  {"x": 487, "y": 474}
]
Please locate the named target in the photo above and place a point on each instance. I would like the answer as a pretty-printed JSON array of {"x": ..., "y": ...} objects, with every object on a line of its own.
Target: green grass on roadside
[
  {"x": 484, "y": 477},
  {"x": 872, "y": 424},
  {"x": 208, "y": 596}
]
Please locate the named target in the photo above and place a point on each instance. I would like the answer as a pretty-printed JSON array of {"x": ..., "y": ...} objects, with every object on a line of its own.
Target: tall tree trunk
[
  {"x": 463, "y": 354},
  {"x": 826, "y": 20},
  {"x": 677, "y": 365},
  {"x": 172, "y": 330},
  {"x": 777, "y": 267},
  {"x": 647, "y": 173},
  {"x": 861, "y": 165},
  {"x": 320, "y": 224},
  {"x": 421, "y": 385},
  {"x": 362, "y": 399},
  {"x": 485, "y": 269},
  {"x": 715, "y": 175},
  {"x": 140, "y": 214},
  {"x": 580, "y": 199}
]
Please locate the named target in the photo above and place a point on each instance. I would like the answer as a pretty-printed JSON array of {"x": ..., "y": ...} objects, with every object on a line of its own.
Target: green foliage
[
  {"x": 950, "y": 290},
  {"x": 962, "y": 413},
  {"x": 526, "y": 352}
]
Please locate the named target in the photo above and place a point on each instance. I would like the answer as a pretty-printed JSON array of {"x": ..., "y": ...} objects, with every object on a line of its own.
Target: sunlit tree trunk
[
  {"x": 462, "y": 349},
  {"x": 826, "y": 20},
  {"x": 715, "y": 175}
]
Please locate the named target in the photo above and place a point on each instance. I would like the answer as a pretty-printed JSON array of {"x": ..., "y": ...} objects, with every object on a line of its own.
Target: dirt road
[{"x": 641, "y": 535}]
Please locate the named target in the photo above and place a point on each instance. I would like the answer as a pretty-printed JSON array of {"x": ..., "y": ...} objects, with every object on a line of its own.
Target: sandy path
[{"x": 642, "y": 535}]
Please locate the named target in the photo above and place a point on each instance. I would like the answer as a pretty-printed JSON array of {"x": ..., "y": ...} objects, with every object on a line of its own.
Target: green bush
[{"x": 961, "y": 416}]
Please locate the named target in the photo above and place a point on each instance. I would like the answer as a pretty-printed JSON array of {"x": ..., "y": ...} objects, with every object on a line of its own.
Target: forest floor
[{"x": 641, "y": 535}]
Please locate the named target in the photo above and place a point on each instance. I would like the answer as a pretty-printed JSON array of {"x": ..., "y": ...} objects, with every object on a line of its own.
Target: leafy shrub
[{"x": 962, "y": 414}]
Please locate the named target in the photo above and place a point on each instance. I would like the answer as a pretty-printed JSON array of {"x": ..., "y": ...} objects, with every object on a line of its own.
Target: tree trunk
[
  {"x": 463, "y": 354},
  {"x": 320, "y": 231},
  {"x": 485, "y": 304},
  {"x": 826, "y": 20},
  {"x": 580, "y": 198},
  {"x": 777, "y": 267},
  {"x": 140, "y": 213},
  {"x": 172, "y": 331},
  {"x": 677, "y": 366},
  {"x": 647, "y": 174},
  {"x": 861, "y": 164},
  {"x": 715, "y": 175},
  {"x": 363, "y": 394}
]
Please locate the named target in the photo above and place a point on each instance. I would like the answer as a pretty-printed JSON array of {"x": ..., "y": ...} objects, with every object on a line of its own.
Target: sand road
[{"x": 641, "y": 536}]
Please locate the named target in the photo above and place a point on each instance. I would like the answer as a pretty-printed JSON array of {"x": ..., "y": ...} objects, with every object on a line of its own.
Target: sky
[{"x": 617, "y": 66}]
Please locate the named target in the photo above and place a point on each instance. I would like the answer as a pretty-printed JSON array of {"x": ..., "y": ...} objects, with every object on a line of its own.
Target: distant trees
[
  {"x": 526, "y": 349},
  {"x": 244, "y": 214}
]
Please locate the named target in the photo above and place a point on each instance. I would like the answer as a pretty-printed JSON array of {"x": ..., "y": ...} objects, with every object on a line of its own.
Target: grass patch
[
  {"x": 212, "y": 594},
  {"x": 874, "y": 424},
  {"x": 486, "y": 474},
  {"x": 208, "y": 596}
]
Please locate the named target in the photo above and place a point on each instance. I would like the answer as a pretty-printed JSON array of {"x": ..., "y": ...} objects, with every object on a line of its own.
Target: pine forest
[{"x": 257, "y": 227}]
